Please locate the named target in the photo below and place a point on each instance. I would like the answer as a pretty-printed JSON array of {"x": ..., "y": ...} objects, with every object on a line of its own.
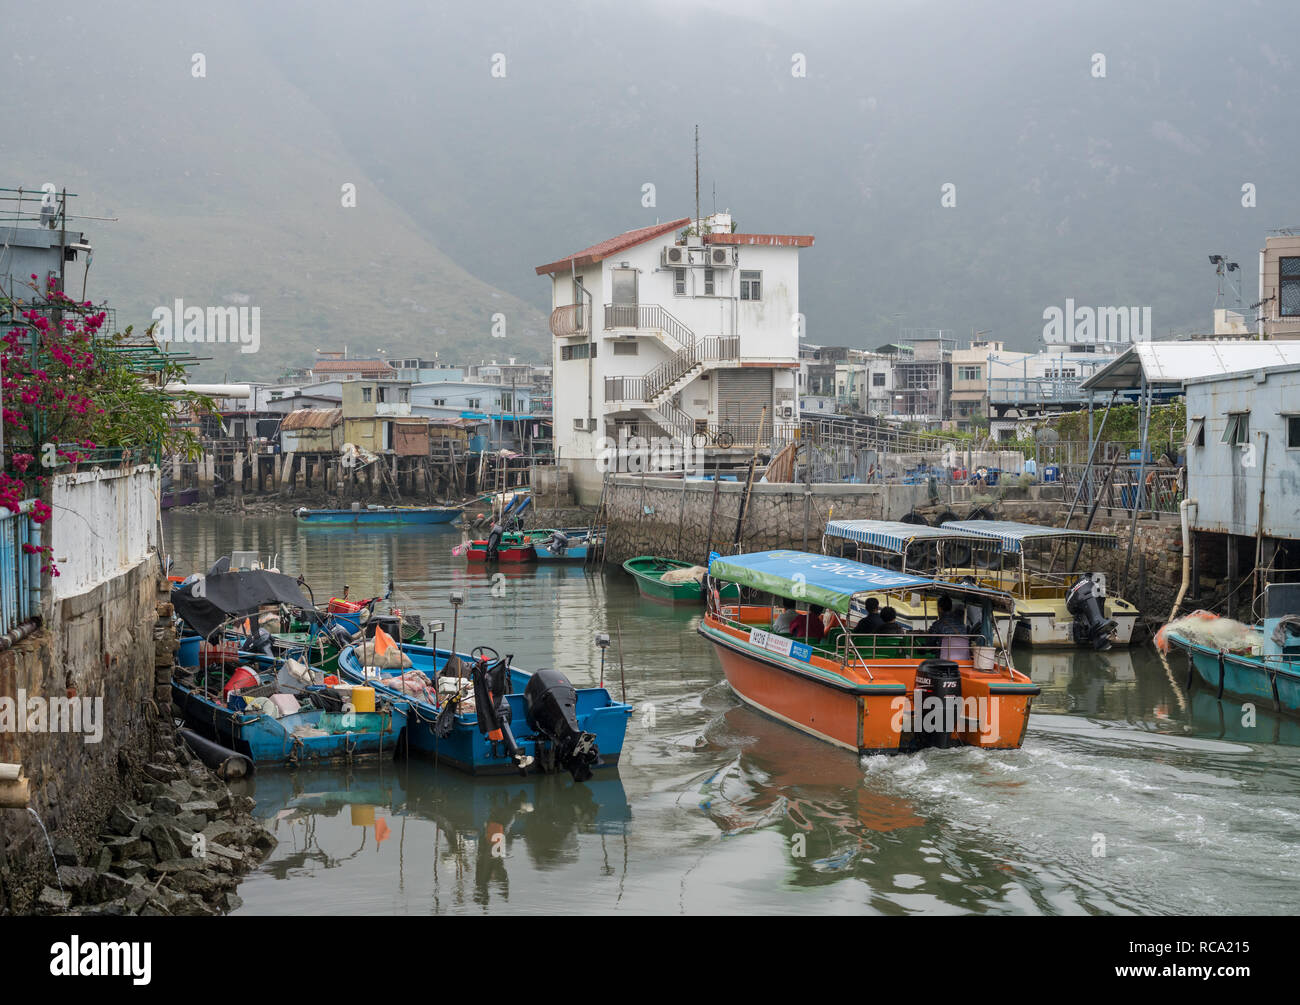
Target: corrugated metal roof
[
  {"x": 312, "y": 418},
  {"x": 1172, "y": 363}
]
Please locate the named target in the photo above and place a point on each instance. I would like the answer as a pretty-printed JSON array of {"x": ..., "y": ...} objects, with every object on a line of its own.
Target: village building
[{"x": 678, "y": 331}]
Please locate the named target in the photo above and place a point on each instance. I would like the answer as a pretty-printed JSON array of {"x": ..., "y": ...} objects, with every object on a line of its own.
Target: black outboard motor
[
  {"x": 552, "y": 708},
  {"x": 259, "y": 642},
  {"x": 492, "y": 709},
  {"x": 559, "y": 543},
  {"x": 494, "y": 541},
  {"x": 339, "y": 635},
  {"x": 936, "y": 704},
  {"x": 1085, "y": 604}
]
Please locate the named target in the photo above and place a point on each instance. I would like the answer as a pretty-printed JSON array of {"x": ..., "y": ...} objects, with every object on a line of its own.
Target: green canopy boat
[{"x": 648, "y": 571}]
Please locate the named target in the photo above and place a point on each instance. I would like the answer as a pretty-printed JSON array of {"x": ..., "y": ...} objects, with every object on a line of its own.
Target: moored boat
[
  {"x": 1053, "y": 609},
  {"x": 649, "y": 572},
  {"x": 270, "y": 724},
  {"x": 478, "y": 713},
  {"x": 865, "y": 693},
  {"x": 1257, "y": 662},
  {"x": 939, "y": 553}
]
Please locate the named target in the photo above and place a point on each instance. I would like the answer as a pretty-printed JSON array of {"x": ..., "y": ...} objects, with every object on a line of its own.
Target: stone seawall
[
  {"x": 684, "y": 519},
  {"x": 100, "y": 645},
  {"x": 675, "y": 519}
]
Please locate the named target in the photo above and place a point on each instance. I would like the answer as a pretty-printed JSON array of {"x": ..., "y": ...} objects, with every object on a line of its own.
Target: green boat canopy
[{"x": 828, "y": 581}]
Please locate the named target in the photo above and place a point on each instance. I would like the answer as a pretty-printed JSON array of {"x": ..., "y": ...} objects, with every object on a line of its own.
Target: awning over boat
[
  {"x": 818, "y": 579},
  {"x": 1013, "y": 535},
  {"x": 207, "y": 603},
  {"x": 890, "y": 535}
]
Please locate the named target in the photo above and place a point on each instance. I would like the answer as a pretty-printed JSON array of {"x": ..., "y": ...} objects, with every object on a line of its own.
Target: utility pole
[{"x": 697, "y": 179}]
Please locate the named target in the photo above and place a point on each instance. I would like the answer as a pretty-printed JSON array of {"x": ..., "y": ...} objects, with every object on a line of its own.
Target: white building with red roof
[{"x": 674, "y": 331}]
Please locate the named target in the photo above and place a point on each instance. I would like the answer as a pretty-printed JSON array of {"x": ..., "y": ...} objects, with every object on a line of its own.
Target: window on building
[
  {"x": 1293, "y": 430},
  {"x": 365, "y": 394},
  {"x": 708, "y": 282},
  {"x": 474, "y": 402},
  {"x": 439, "y": 402},
  {"x": 679, "y": 282},
  {"x": 382, "y": 394},
  {"x": 878, "y": 380},
  {"x": 968, "y": 373},
  {"x": 625, "y": 349},
  {"x": 586, "y": 350},
  {"x": 1237, "y": 431},
  {"x": 404, "y": 394},
  {"x": 1196, "y": 431},
  {"x": 751, "y": 285},
  {"x": 1288, "y": 293}
]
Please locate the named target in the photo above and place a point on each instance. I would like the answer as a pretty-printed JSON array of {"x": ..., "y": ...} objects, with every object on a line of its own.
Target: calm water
[{"x": 716, "y": 809}]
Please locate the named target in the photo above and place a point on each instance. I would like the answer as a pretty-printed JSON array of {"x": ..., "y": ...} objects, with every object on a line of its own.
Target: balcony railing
[
  {"x": 1036, "y": 390},
  {"x": 648, "y": 317},
  {"x": 571, "y": 319},
  {"x": 647, "y": 387}
]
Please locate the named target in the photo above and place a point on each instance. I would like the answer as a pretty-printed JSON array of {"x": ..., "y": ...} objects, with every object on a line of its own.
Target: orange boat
[{"x": 867, "y": 693}]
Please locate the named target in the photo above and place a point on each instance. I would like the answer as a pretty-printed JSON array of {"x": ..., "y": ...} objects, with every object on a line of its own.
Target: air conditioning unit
[
  {"x": 785, "y": 410},
  {"x": 721, "y": 257},
  {"x": 675, "y": 257}
]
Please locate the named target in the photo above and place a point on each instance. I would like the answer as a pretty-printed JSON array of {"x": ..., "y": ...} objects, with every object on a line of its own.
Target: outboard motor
[
  {"x": 492, "y": 709},
  {"x": 339, "y": 635},
  {"x": 559, "y": 543},
  {"x": 1085, "y": 604},
  {"x": 936, "y": 703},
  {"x": 494, "y": 541},
  {"x": 259, "y": 642},
  {"x": 551, "y": 703}
]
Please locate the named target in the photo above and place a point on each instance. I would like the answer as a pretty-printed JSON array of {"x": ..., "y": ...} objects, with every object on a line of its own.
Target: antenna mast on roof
[{"x": 697, "y": 177}]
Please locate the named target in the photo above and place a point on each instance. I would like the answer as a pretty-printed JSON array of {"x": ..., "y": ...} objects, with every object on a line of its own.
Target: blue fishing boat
[
  {"x": 409, "y": 515},
  {"x": 478, "y": 713},
  {"x": 310, "y": 734},
  {"x": 1260, "y": 662},
  {"x": 570, "y": 544}
]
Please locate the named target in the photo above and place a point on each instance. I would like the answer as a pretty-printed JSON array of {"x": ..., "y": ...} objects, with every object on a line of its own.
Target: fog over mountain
[{"x": 1108, "y": 190}]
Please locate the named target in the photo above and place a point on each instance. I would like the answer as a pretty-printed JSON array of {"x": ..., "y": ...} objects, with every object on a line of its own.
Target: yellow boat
[
  {"x": 937, "y": 553},
  {"x": 1052, "y": 609}
]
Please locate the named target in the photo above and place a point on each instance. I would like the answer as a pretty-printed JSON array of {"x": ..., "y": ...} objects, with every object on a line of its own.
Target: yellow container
[
  {"x": 363, "y": 816},
  {"x": 363, "y": 699}
]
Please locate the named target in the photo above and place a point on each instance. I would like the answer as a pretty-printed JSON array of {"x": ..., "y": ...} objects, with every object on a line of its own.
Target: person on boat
[
  {"x": 869, "y": 623},
  {"x": 955, "y": 645},
  {"x": 889, "y": 623},
  {"x": 785, "y": 620},
  {"x": 808, "y": 625}
]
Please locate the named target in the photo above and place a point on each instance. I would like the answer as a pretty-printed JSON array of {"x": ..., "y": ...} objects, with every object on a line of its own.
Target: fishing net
[
  {"x": 1213, "y": 632},
  {"x": 694, "y": 574}
]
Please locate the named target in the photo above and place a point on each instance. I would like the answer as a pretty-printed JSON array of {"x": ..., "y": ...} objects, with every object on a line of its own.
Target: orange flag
[
  {"x": 381, "y": 831},
  {"x": 382, "y": 640}
]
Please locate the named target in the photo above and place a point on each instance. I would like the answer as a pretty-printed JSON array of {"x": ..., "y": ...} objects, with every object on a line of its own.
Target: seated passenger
[
  {"x": 869, "y": 623},
  {"x": 889, "y": 623},
  {"x": 785, "y": 619},
  {"x": 808, "y": 625},
  {"x": 954, "y": 645}
]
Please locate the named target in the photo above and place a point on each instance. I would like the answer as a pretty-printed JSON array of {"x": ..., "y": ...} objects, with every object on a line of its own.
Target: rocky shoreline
[{"x": 178, "y": 848}]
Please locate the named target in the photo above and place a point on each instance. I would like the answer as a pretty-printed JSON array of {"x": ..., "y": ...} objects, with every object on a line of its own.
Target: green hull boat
[{"x": 648, "y": 571}]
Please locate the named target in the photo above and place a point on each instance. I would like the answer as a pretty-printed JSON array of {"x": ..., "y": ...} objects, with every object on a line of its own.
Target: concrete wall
[
  {"x": 100, "y": 645},
  {"x": 105, "y": 523}
]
